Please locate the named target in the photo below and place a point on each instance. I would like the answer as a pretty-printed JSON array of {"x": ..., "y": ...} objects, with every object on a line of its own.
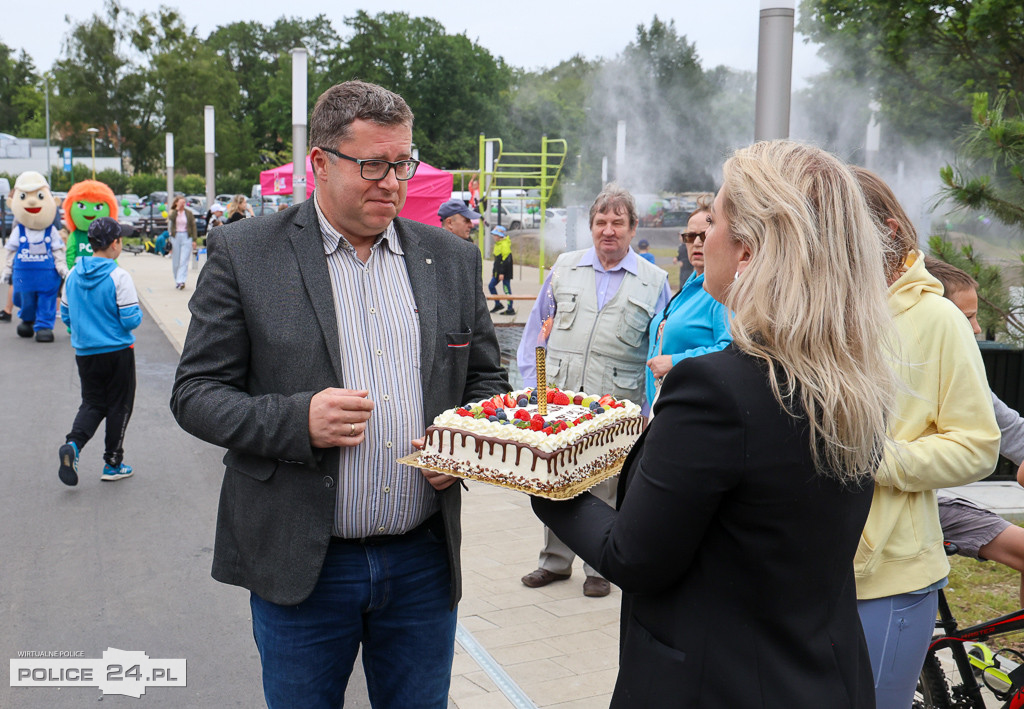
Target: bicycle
[{"x": 1001, "y": 672}]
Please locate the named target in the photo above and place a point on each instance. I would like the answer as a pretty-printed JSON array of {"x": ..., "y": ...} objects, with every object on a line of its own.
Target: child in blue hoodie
[{"x": 101, "y": 307}]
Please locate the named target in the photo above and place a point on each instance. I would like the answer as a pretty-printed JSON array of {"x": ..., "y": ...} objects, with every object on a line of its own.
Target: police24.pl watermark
[{"x": 124, "y": 672}]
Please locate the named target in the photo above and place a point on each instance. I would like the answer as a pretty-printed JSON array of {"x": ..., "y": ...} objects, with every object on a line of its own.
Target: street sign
[{"x": 67, "y": 159}]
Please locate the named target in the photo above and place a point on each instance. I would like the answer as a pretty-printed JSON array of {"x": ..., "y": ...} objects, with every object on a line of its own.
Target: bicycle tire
[{"x": 932, "y": 690}]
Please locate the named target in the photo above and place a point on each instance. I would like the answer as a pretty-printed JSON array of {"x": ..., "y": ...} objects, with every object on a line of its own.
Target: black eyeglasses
[
  {"x": 691, "y": 236},
  {"x": 375, "y": 170}
]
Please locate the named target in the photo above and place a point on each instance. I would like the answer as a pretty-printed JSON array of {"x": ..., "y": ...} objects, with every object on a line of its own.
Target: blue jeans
[
  {"x": 392, "y": 598},
  {"x": 898, "y": 630},
  {"x": 504, "y": 285}
]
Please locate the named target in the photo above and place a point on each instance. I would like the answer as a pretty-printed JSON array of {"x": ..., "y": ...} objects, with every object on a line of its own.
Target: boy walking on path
[
  {"x": 502, "y": 272},
  {"x": 101, "y": 302}
]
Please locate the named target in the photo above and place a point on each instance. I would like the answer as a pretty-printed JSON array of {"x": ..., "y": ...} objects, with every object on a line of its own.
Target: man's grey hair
[
  {"x": 344, "y": 103},
  {"x": 616, "y": 200}
]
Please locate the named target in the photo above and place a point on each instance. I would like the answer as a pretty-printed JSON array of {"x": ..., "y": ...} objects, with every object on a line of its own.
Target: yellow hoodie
[{"x": 945, "y": 435}]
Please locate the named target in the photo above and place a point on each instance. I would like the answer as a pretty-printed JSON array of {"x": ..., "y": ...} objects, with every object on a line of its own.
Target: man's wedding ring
[{"x": 351, "y": 429}]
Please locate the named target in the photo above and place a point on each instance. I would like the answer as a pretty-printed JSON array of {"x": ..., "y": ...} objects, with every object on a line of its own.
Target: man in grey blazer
[{"x": 323, "y": 340}]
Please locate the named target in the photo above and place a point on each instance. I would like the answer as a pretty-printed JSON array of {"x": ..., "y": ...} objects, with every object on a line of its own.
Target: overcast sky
[{"x": 528, "y": 33}]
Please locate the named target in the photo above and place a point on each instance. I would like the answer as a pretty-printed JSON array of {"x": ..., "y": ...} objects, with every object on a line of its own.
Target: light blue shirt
[{"x": 695, "y": 324}]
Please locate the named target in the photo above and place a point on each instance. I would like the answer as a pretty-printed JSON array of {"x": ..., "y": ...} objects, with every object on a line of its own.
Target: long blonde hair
[
  {"x": 812, "y": 302},
  {"x": 237, "y": 204}
]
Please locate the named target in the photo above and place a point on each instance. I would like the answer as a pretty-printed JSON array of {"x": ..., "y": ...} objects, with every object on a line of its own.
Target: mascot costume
[
  {"x": 86, "y": 201},
  {"x": 35, "y": 256}
]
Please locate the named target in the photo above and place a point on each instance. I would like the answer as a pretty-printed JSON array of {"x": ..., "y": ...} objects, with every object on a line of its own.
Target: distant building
[{"x": 20, "y": 154}]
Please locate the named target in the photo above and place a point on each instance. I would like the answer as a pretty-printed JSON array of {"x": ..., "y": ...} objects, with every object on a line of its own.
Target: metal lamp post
[
  {"x": 209, "y": 135},
  {"x": 92, "y": 135},
  {"x": 774, "y": 69},
  {"x": 299, "y": 92},
  {"x": 170, "y": 168}
]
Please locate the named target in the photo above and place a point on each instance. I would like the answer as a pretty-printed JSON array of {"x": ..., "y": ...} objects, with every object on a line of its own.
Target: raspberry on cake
[{"x": 581, "y": 440}]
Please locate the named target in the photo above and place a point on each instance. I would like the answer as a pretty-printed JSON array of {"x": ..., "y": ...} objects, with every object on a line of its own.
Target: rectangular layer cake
[{"x": 507, "y": 441}]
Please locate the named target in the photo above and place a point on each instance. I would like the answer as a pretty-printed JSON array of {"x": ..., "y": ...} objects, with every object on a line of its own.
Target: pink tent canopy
[{"x": 427, "y": 190}]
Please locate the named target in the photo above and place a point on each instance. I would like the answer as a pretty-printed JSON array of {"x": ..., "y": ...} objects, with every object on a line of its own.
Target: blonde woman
[
  {"x": 742, "y": 504},
  {"x": 238, "y": 208},
  {"x": 181, "y": 223},
  {"x": 945, "y": 434}
]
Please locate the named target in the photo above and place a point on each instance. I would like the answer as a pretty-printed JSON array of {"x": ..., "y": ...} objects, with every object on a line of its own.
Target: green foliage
[
  {"x": 658, "y": 87},
  {"x": 144, "y": 183},
  {"x": 922, "y": 58},
  {"x": 114, "y": 179},
  {"x": 996, "y": 314},
  {"x": 989, "y": 175},
  {"x": 455, "y": 87},
  {"x": 21, "y": 102},
  {"x": 136, "y": 75}
]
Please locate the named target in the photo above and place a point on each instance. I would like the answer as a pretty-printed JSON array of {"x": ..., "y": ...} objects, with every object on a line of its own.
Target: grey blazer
[{"x": 264, "y": 339}]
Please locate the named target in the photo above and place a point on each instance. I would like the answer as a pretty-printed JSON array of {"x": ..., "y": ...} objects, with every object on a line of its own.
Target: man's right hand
[{"x": 337, "y": 417}]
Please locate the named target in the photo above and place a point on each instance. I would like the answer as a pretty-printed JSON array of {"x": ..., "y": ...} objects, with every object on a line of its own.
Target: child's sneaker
[
  {"x": 121, "y": 471},
  {"x": 510, "y": 310},
  {"x": 68, "y": 472}
]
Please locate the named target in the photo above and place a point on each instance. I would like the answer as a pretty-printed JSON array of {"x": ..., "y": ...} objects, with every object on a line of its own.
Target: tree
[
  {"x": 260, "y": 61},
  {"x": 996, "y": 313},
  {"x": 99, "y": 87},
  {"x": 657, "y": 85},
  {"x": 455, "y": 87},
  {"x": 989, "y": 175},
  {"x": 21, "y": 102},
  {"x": 922, "y": 59}
]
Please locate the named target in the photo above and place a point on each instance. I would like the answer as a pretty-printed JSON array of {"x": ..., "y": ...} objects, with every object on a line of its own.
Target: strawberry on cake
[{"x": 505, "y": 440}]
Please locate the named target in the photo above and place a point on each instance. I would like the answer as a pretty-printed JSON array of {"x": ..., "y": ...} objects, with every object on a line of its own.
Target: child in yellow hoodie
[
  {"x": 944, "y": 434},
  {"x": 502, "y": 272}
]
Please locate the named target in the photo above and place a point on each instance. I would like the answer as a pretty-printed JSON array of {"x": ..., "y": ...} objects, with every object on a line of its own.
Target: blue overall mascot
[{"x": 35, "y": 256}]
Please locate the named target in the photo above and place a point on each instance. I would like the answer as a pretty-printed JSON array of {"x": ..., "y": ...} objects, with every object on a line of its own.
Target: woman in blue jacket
[{"x": 693, "y": 323}]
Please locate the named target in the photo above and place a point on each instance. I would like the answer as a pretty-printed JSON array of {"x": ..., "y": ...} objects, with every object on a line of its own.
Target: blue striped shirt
[{"x": 379, "y": 335}]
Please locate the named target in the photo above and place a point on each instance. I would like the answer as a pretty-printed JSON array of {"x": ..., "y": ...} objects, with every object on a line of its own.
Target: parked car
[
  {"x": 556, "y": 215},
  {"x": 514, "y": 215},
  {"x": 197, "y": 202},
  {"x": 224, "y": 198},
  {"x": 674, "y": 219}
]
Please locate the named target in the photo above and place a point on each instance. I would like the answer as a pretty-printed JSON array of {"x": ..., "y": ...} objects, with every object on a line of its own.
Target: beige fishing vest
[{"x": 601, "y": 351}]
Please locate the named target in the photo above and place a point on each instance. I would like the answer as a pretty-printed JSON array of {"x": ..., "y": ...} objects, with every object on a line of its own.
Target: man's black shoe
[
  {"x": 496, "y": 308},
  {"x": 5, "y": 316}
]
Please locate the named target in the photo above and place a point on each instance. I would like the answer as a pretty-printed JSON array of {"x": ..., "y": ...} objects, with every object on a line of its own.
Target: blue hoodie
[{"x": 100, "y": 305}]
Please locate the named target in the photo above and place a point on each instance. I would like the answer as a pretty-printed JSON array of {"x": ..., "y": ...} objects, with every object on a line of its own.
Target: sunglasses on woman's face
[{"x": 691, "y": 236}]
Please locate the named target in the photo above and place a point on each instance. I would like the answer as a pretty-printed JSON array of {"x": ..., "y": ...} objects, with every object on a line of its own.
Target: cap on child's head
[
  {"x": 499, "y": 231},
  {"x": 643, "y": 243},
  {"x": 105, "y": 231}
]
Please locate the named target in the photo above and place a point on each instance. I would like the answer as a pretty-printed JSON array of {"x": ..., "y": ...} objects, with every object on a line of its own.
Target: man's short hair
[
  {"x": 953, "y": 279},
  {"x": 346, "y": 102},
  {"x": 617, "y": 200}
]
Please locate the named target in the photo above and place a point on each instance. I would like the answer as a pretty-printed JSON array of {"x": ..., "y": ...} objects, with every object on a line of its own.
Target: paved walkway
[{"x": 556, "y": 647}]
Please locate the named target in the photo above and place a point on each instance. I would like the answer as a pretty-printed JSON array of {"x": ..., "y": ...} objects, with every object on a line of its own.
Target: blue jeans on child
[
  {"x": 505, "y": 286},
  {"x": 392, "y": 598}
]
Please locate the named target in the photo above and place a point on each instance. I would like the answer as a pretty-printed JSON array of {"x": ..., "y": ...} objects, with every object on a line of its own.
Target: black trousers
[{"x": 108, "y": 392}]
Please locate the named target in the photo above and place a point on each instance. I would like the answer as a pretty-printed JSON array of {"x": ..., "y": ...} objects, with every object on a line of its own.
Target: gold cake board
[{"x": 562, "y": 493}]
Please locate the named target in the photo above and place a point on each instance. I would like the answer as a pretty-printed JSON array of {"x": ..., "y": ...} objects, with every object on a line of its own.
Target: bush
[{"x": 143, "y": 183}]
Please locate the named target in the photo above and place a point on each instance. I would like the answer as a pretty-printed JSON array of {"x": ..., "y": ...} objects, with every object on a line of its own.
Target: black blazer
[
  {"x": 734, "y": 556},
  {"x": 264, "y": 339}
]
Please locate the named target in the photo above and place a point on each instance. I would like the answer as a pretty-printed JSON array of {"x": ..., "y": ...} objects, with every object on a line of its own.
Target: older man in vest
[{"x": 600, "y": 301}]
